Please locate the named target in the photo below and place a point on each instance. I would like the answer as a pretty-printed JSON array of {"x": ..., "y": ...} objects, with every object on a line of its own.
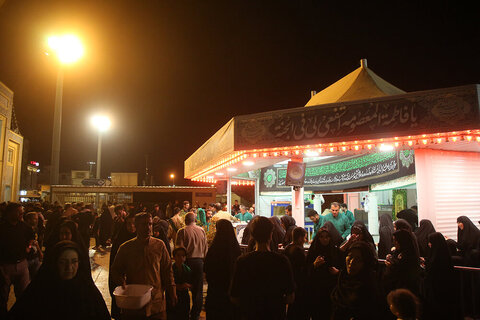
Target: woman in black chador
[
  {"x": 468, "y": 237},
  {"x": 324, "y": 261},
  {"x": 441, "y": 282},
  {"x": 356, "y": 295},
  {"x": 359, "y": 232},
  {"x": 63, "y": 290},
  {"x": 288, "y": 224},
  {"x": 469, "y": 249},
  {"x": 219, "y": 263},
  {"x": 403, "y": 265},
  {"x": 278, "y": 233},
  {"x": 106, "y": 226},
  {"x": 425, "y": 229},
  {"x": 386, "y": 232},
  {"x": 402, "y": 224},
  {"x": 334, "y": 234}
]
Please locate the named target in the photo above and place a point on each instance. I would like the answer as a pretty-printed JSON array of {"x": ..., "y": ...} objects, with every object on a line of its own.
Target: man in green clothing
[
  {"x": 348, "y": 213},
  {"x": 339, "y": 220},
  {"x": 243, "y": 215},
  {"x": 317, "y": 221}
]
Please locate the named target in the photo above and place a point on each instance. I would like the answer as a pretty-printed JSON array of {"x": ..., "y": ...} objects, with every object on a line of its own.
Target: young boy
[
  {"x": 182, "y": 275},
  {"x": 403, "y": 304}
]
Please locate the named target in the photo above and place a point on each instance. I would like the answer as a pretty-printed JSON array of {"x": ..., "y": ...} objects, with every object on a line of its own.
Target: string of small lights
[{"x": 248, "y": 157}]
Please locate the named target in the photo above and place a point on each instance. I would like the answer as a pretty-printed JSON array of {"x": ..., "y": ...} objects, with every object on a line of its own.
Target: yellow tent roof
[{"x": 360, "y": 84}]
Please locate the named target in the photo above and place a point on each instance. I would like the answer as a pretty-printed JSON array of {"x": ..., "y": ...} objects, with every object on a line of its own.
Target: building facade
[{"x": 11, "y": 148}]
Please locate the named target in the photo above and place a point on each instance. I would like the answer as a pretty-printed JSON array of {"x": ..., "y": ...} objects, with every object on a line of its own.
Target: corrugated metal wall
[{"x": 448, "y": 186}]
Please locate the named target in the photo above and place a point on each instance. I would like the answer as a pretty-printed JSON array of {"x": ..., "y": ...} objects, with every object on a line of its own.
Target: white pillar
[
  {"x": 229, "y": 195},
  {"x": 298, "y": 207},
  {"x": 257, "y": 195},
  {"x": 57, "y": 130},
  {"x": 99, "y": 154},
  {"x": 317, "y": 203},
  {"x": 372, "y": 213}
]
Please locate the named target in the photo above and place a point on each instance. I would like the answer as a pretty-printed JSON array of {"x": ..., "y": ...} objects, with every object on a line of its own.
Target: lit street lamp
[
  {"x": 68, "y": 50},
  {"x": 102, "y": 123},
  {"x": 172, "y": 176}
]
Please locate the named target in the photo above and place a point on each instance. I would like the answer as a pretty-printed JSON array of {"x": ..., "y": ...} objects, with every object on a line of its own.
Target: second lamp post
[{"x": 102, "y": 123}]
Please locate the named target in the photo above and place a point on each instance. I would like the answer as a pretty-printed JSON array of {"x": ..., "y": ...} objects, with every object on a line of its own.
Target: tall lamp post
[
  {"x": 102, "y": 123},
  {"x": 68, "y": 50},
  {"x": 172, "y": 176}
]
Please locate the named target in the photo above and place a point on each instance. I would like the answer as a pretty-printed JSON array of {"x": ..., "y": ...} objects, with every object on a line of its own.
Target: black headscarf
[
  {"x": 452, "y": 247},
  {"x": 402, "y": 224},
  {"x": 334, "y": 234},
  {"x": 410, "y": 216},
  {"x": 221, "y": 257},
  {"x": 50, "y": 297},
  {"x": 317, "y": 249},
  {"x": 439, "y": 259},
  {"x": 76, "y": 238},
  {"x": 367, "y": 237},
  {"x": 320, "y": 280},
  {"x": 469, "y": 242},
  {"x": 162, "y": 227},
  {"x": 289, "y": 224},
  {"x": 386, "y": 221},
  {"x": 247, "y": 231},
  {"x": 278, "y": 232},
  {"x": 385, "y": 231},
  {"x": 424, "y": 230},
  {"x": 469, "y": 237},
  {"x": 357, "y": 296},
  {"x": 441, "y": 283},
  {"x": 407, "y": 245},
  {"x": 404, "y": 270}
]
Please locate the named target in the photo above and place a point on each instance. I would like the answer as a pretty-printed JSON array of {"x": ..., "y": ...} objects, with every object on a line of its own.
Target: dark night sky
[{"x": 171, "y": 73}]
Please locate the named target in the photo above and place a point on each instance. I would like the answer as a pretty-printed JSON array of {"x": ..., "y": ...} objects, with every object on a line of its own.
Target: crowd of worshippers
[{"x": 44, "y": 255}]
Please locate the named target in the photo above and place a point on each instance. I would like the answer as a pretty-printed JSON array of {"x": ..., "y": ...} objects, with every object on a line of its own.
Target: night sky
[{"x": 171, "y": 73}]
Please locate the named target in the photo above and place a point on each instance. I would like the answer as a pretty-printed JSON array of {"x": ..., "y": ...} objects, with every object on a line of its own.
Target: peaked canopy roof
[{"x": 360, "y": 84}]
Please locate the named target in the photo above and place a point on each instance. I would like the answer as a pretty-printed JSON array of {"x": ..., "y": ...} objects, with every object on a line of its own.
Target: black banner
[
  {"x": 432, "y": 111},
  {"x": 351, "y": 172}
]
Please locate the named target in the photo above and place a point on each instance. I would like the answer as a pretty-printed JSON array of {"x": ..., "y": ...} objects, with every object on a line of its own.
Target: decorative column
[
  {"x": 298, "y": 205},
  {"x": 229, "y": 195},
  {"x": 372, "y": 209}
]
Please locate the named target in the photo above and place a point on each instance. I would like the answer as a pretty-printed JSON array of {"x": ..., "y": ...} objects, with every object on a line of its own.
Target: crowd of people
[{"x": 276, "y": 272}]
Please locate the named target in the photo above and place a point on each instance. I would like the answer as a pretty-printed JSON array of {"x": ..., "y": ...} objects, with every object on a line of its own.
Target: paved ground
[{"x": 99, "y": 260}]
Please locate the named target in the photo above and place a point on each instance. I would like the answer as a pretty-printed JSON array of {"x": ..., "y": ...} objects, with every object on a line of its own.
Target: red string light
[{"x": 339, "y": 148}]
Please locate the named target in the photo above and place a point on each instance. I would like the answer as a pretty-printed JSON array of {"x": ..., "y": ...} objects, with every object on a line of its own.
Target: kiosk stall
[{"x": 360, "y": 137}]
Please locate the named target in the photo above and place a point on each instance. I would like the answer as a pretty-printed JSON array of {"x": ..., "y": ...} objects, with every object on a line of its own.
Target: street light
[
  {"x": 172, "y": 176},
  {"x": 68, "y": 49},
  {"x": 102, "y": 123}
]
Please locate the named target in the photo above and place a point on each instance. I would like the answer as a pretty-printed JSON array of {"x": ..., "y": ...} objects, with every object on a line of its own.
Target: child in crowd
[
  {"x": 403, "y": 304},
  {"x": 182, "y": 274}
]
